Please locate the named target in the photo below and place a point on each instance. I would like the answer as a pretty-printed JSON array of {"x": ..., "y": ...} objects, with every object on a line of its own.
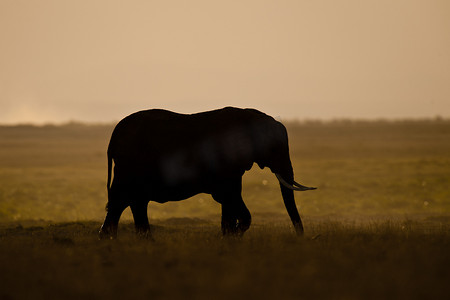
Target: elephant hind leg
[
  {"x": 139, "y": 210},
  {"x": 244, "y": 218},
  {"x": 117, "y": 202},
  {"x": 111, "y": 223},
  {"x": 229, "y": 220}
]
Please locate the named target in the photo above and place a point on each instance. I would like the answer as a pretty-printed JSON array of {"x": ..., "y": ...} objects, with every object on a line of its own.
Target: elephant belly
[
  {"x": 151, "y": 182},
  {"x": 162, "y": 195}
]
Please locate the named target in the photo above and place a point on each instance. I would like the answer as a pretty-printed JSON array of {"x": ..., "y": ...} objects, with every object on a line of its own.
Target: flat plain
[{"x": 377, "y": 227}]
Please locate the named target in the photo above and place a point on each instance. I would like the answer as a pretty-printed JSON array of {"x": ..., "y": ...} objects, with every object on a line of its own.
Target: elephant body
[{"x": 164, "y": 156}]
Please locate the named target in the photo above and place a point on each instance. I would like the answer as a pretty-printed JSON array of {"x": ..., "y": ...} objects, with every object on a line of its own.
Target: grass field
[{"x": 377, "y": 227}]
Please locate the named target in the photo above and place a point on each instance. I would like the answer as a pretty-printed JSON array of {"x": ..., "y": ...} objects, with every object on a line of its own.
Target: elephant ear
[
  {"x": 269, "y": 137},
  {"x": 234, "y": 148},
  {"x": 259, "y": 142}
]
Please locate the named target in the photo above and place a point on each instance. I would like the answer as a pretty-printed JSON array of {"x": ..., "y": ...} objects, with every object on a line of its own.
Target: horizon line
[{"x": 74, "y": 122}]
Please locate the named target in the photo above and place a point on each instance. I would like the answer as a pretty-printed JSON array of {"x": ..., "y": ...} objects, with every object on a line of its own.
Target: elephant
[{"x": 162, "y": 156}]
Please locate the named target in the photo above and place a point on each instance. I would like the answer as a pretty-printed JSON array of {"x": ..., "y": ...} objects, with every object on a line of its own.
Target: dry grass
[
  {"x": 377, "y": 227},
  {"x": 380, "y": 260}
]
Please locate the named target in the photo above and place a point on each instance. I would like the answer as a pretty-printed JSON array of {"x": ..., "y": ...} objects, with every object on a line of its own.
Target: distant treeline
[{"x": 288, "y": 122}]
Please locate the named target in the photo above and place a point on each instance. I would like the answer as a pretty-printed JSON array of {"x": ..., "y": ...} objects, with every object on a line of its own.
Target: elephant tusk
[
  {"x": 305, "y": 188},
  {"x": 298, "y": 186}
]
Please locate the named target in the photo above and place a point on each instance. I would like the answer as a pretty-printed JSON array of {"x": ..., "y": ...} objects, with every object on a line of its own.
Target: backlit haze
[{"x": 98, "y": 61}]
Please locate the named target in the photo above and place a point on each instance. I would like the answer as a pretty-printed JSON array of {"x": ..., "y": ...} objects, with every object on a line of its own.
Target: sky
[{"x": 100, "y": 60}]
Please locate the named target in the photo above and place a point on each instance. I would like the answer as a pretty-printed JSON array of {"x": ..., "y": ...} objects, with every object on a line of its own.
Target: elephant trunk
[{"x": 289, "y": 202}]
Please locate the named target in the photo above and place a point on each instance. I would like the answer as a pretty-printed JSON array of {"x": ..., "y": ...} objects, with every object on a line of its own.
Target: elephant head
[{"x": 273, "y": 152}]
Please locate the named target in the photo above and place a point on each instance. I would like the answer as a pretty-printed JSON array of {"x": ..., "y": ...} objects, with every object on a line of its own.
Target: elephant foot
[
  {"x": 143, "y": 232},
  {"x": 106, "y": 233},
  {"x": 232, "y": 233},
  {"x": 235, "y": 230},
  {"x": 234, "y": 238},
  {"x": 229, "y": 231},
  {"x": 145, "y": 235}
]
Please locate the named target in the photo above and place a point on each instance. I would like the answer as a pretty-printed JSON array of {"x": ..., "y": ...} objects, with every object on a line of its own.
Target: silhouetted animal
[{"x": 165, "y": 156}]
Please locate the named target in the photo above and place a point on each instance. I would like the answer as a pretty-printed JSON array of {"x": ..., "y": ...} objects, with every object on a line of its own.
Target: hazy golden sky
[{"x": 101, "y": 60}]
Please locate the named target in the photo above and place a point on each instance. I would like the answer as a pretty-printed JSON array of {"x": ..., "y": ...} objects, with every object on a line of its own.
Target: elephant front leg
[{"x": 236, "y": 218}]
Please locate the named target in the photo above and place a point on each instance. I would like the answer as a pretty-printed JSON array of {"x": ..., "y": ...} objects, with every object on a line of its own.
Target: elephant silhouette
[{"x": 161, "y": 156}]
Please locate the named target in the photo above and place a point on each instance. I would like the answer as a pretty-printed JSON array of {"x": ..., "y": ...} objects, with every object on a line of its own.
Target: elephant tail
[{"x": 108, "y": 183}]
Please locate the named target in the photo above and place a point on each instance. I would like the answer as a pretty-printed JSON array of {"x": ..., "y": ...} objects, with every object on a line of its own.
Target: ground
[{"x": 377, "y": 227}]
